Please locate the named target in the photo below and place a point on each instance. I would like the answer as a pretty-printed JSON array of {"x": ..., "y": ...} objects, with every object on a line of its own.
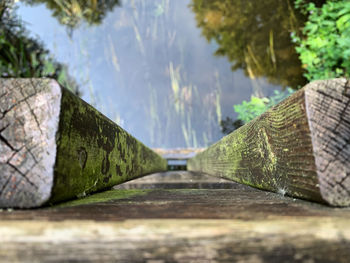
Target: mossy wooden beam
[
  {"x": 56, "y": 147},
  {"x": 300, "y": 147}
]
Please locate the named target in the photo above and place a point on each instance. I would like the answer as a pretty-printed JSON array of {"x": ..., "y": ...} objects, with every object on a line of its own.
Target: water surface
[{"x": 151, "y": 65}]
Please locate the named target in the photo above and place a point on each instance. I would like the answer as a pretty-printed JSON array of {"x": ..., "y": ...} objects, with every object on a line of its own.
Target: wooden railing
[
  {"x": 300, "y": 147},
  {"x": 55, "y": 147}
]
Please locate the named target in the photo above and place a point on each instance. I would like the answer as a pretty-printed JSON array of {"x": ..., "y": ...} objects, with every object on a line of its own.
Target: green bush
[
  {"x": 256, "y": 106},
  {"x": 22, "y": 56},
  {"x": 324, "y": 48}
]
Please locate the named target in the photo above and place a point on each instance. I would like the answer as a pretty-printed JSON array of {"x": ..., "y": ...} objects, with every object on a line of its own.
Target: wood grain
[
  {"x": 29, "y": 116},
  {"x": 56, "y": 147},
  {"x": 176, "y": 241},
  {"x": 329, "y": 119},
  {"x": 241, "y": 224},
  {"x": 300, "y": 147}
]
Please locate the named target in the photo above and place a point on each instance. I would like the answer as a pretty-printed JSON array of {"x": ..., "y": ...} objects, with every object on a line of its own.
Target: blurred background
[{"x": 172, "y": 73}]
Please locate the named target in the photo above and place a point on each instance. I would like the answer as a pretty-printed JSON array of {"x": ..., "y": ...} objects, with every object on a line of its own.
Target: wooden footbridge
[{"x": 69, "y": 190}]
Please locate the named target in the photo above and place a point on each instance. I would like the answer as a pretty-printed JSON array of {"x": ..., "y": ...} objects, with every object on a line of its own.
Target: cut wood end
[
  {"x": 327, "y": 105},
  {"x": 29, "y": 117}
]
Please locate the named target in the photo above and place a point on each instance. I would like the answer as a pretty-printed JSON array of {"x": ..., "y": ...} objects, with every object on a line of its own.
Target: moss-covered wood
[
  {"x": 300, "y": 147},
  {"x": 55, "y": 147}
]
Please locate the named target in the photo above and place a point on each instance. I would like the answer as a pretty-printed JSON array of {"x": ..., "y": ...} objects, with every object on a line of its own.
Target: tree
[
  {"x": 255, "y": 36},
  {"x": 23, "y": 56},
  {"x": 72, "y": 12}
]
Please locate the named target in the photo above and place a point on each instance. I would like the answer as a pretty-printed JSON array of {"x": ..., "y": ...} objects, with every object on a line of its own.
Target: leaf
[
  {"x": 325, "y": 49},
  {"x": 343, "y": 22}
]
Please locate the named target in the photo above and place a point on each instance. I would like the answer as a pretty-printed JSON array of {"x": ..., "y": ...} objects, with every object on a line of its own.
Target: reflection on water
[
  {"x": 71, "y": 13},
  {"x": 145, "y": 64},
  {"x": 255, "y": 36},
  {"x": 24, "y": 56}
]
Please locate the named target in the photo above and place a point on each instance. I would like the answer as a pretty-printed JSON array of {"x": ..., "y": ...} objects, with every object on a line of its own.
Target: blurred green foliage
[
  {"x": 324, "y": 48},
  {"x": 248, "y": 110},
  {"x": 24, "y": 56}
]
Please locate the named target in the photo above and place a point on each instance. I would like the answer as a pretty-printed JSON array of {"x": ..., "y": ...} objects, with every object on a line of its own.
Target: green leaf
[{"x": 325, "y": 48}]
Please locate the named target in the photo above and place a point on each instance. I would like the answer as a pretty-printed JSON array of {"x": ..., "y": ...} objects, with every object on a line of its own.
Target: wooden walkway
[
  {"x": 67, "y": 149},
  {"x": 178, "y": 217}
]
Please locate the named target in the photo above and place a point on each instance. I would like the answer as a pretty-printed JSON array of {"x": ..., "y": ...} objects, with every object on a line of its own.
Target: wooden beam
[
  {"x": 56, "y": 147},
  {"x": 300, "y": 147},
  {"x": 177, "y": 158},
  {"x": 289, "y": 239}
]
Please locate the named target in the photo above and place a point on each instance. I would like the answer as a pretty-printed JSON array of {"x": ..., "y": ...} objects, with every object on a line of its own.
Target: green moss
[
  {"x": 258, "y": 153},
  {"x": 266, "y": 152},
  {"x": 94, "y": 154},
  {"x": 106, "y": 196}
]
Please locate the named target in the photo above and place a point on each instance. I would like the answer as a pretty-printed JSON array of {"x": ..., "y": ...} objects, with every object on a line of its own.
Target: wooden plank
[
  {"x": 55, "y": 147},
  {"x": 237, "y": 202},
  {"x": 300, "y": 147},
  {"x": 178, "y": 180},
  {"x": 176, "y": 241},
  {"x": 241, "y": 224},
  {"x": 177, "y": 158},
  {"x": 178, "y": 153}
]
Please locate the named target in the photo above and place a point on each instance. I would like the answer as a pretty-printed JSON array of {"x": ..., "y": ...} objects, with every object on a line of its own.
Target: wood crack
[
  {"x": 5, "y": 184},
  {"x": 32, "y": 112},
  {"x": 30, "y": 152},
  {"x": 14, "y": 154},
  {"x": 324, "y": 94},
  {"x": 6, "y": 142},
  {"x": 3, "y": 95},
  {"x": 24, "y": 176},
  {"x": 16, "y": 104}
]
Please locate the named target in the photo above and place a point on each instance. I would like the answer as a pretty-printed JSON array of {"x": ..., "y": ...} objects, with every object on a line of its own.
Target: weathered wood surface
[
  {"x": 177, "y": 157},
  {"x": 176, "y": 241},
  {"x": 237, "y": 202},
  {"x": 241, "y": 224},
  {"x": 178, "y": 180},
  {"x": 178, "y": 153},
  {"x": 55, "y": 147},
  {"x": 300, "y": 147}
]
